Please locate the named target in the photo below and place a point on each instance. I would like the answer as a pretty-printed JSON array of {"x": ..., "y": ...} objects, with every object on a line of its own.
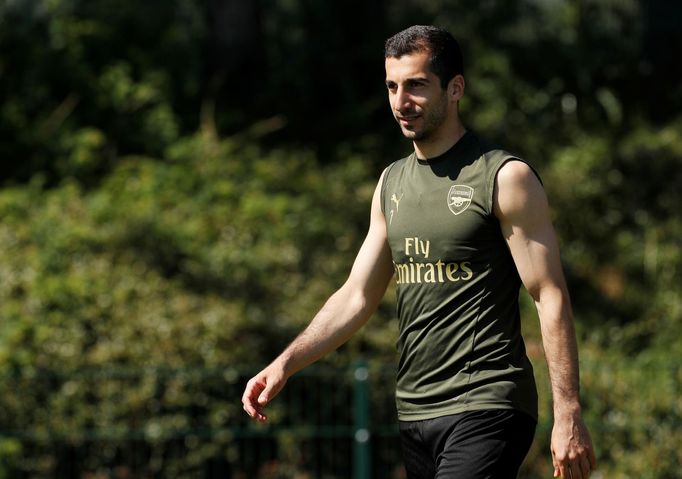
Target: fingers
[
  {"x": 584, "y": 465},
  {"x": 572, "y": 451},
  {"x": 592, "y": 458},
  {"x": 264, "y": 397},
  {"x": 558, "y": 472},
  {"x": 260, "y": 390},
  {"x": 254, "y": 399},
  {"x": 565, "y": 471},
  {"x": 579, "y": 468}
]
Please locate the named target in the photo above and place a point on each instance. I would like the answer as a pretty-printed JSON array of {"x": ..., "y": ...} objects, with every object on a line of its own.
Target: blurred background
[{"x": 184, "y": 182}]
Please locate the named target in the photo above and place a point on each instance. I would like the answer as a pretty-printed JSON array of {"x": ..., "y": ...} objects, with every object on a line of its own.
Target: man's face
[{"x": 418, "y": 103}]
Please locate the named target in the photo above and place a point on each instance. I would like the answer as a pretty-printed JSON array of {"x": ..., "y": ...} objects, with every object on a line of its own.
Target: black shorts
[{"x": 488, "y": 444}]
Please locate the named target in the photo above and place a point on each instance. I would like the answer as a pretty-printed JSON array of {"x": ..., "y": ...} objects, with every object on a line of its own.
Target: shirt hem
[{"x": 409, "y": 417}]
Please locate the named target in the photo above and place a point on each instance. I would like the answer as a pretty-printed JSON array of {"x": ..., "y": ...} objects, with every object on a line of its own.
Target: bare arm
[
  {"x": 521, "y": 206},
  {"x": 343, "y": 314}
]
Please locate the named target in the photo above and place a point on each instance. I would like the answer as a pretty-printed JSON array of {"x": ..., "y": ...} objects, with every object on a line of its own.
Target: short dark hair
[{"x": 446, "y": 56}]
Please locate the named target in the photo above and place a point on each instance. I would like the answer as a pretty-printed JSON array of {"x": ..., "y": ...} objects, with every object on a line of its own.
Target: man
[{"x": 460, "y": 225}]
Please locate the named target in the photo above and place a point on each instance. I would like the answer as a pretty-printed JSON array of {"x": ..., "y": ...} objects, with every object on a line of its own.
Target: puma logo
[{"x": 396, "y": 200}]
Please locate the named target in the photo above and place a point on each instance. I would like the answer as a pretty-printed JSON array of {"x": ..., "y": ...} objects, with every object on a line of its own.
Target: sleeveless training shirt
[{"x": 459, "y": 338}]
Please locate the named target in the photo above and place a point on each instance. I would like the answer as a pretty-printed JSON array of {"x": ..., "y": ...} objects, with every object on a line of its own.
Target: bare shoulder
[
  {"x": 515, "y": 173},
  {"x": 517, "y": 190}
]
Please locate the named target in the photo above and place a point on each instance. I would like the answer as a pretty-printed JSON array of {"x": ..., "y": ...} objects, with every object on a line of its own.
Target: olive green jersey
[{"x": 460, "y": 338}]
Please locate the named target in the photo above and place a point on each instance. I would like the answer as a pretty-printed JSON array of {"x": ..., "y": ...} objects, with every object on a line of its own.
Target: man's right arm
[{"x": 343, "y": 314}]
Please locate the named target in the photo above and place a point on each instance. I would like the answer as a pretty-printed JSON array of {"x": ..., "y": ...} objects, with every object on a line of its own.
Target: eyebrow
[
  {"x": 410, "y": 80},
  {"x": 418, "y": 80}
]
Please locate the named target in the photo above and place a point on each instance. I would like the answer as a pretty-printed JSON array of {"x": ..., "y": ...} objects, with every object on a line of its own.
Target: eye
[
  {"x": 391, "y": 86},
  {"x": 414, "y": 84}
]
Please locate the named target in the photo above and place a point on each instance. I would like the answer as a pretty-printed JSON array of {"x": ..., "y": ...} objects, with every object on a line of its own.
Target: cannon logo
[{"x": 459, "y": 198}]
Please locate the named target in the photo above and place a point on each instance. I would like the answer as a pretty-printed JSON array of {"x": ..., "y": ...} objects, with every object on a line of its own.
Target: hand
[
  {"x": 261, "y": 389},
  {"x": 572, "y": 450}
]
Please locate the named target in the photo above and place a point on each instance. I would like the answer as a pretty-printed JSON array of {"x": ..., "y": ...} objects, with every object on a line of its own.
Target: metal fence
[{"x": 328, "y": 422}]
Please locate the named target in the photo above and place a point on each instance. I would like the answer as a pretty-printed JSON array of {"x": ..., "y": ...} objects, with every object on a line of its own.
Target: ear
[{"x": 456, "y": 87}]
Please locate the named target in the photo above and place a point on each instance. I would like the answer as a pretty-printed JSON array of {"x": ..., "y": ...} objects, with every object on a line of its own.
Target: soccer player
[{"x": 459, "y": 224}]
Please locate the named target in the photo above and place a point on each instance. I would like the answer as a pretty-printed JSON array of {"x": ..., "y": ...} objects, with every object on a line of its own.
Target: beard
[{"x": 431, "y": 120}]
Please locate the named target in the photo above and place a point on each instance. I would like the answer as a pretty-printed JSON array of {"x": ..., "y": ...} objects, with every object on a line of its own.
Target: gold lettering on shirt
[{"x": 418, "y": 271}]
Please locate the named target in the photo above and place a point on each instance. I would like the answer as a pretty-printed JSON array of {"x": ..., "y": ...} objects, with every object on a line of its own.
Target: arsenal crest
[{"x": 459, "y": 198}]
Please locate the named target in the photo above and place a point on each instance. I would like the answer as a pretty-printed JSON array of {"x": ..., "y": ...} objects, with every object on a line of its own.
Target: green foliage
[
  {"x": 621, "y": 222},
  {"x": 209, "y": 258},
  {"x": 634, "y": 406},
  {"x": 91, "y": 80}
]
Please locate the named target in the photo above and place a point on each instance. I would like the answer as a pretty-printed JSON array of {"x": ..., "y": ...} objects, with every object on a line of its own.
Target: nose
[{"x": 402, "y": 100}]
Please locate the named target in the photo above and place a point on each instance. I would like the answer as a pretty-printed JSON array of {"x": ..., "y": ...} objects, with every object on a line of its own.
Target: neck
[{"x": 439, "y": 144}]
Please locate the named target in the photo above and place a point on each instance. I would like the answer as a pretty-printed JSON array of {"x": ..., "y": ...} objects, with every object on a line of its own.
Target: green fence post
[{"x": 361, "y": 449}]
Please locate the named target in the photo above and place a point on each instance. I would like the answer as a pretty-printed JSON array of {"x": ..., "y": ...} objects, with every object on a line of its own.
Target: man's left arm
[{"x": 520, "y": 205}]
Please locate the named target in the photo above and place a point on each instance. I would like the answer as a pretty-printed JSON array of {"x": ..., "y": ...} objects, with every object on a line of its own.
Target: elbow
[
  {"x": 357, "y": 302},
  {"x": 552, "y": 302},
  {"x": 360, "y": 304}
]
